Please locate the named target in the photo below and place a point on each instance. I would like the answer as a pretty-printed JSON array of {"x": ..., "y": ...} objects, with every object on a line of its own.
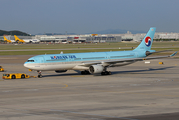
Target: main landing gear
[
  {"x": 102, "y": 73},
  {"x": 39, "y": 74},
  {"x": 106, "y": 73},
  {"x": 85, "y": 72}
]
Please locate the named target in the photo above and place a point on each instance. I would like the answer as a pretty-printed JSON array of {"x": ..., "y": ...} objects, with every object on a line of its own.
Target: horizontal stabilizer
[
  {"x": 173, "y": 54},
  {"x": 153, "y": 51}
]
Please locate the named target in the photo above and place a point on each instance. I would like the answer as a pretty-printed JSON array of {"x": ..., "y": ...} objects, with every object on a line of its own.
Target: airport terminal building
[{"x": 78, "y": 38}]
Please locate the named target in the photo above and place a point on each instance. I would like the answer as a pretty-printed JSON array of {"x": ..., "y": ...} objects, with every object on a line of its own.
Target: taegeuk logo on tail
[{"x": 147, "y": 41}]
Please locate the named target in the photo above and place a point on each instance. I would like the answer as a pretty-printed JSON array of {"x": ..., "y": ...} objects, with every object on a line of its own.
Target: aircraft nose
[{"x": 26, "y": 65}]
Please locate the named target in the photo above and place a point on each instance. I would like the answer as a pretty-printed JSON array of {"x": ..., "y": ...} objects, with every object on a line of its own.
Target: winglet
[{"x": 173, "y": 54}]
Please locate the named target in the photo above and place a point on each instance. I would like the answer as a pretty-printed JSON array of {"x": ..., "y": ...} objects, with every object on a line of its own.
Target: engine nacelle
[
  {"x": 60, "y": 71},
  {"x": 96, "y": 69}
]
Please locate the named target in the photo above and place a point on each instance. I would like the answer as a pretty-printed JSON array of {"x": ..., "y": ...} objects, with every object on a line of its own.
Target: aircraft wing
[
  {"x": 108, "y": 62},
  {"x": 87, "y": 64}
]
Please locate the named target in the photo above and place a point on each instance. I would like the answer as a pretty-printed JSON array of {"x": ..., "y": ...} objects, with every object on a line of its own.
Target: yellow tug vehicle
[
  {"x": 15, "y": 76},
  {"x": 1, "y": 69}
]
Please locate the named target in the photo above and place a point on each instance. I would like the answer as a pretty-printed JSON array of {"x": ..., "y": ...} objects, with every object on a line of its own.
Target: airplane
[
  {"x": 18, "y": 40},
  {"x": 94, "y": 62},
  {"x": 9, "y": 41},
  {"x": 26, "y": 40}
]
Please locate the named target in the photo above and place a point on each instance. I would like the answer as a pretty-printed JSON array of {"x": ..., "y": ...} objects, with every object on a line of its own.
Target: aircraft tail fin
[
  {"x": 147, "y": 41},
  {"x": 16, "y": 38},
  {"x": 5, "y": 39}
]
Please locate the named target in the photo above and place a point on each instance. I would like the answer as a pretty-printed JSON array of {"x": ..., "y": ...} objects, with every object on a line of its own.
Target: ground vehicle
[
  {"x": 15, "y": 76},
  {"x": 1, "y": 69}
]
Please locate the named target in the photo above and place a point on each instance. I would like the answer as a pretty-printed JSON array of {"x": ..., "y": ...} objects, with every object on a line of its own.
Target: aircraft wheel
[
  {"x": 13, "y": 77},
  {"x": 106, "y": 73},
  {"x": 82, "y": 72},
  {"x": 103, "y": 73},
  {"x": 85, "y": 72},
  {"x": 39, "y": 76},
  {"x": 22, "y": 76}
]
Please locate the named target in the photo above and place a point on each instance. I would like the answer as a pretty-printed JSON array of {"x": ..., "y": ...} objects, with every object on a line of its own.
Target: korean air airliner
[{"x": 94, "y": 62}]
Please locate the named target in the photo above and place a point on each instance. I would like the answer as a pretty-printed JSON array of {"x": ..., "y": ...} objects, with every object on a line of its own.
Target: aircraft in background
[
  {"x": 94, "y": 62},
  {"x": 26, "y": 40},
  {"x": 18, "y": 40},
  {"x": 9, "y": 41}
]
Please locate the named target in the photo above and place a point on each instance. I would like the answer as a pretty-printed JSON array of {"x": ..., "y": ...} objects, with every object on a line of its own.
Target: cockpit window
[{"x": 30, "y": 60}]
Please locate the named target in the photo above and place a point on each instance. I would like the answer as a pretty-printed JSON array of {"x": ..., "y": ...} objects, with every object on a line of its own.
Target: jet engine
[
  {"x": 96, "y": 69},
  {"x": 60, "y": 71}
]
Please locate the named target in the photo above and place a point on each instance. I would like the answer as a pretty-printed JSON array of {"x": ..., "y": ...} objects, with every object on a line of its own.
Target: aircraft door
[
  {"x": 41, "y": 59},
  {"x": 107, "y": 56}
]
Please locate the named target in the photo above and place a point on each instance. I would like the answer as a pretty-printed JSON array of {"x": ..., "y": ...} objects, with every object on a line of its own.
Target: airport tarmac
[{"x": 135, "y": 92}]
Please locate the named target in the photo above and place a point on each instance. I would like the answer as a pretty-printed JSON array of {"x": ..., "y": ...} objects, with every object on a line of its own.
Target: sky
[{"x": 85, "y": 16}]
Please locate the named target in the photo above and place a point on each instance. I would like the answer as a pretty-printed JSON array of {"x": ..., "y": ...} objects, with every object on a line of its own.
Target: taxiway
[{"x": 135, "y": 92}]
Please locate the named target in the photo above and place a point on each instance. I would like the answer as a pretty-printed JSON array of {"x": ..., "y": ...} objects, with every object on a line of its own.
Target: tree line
[{"x": 14, "y": 32}]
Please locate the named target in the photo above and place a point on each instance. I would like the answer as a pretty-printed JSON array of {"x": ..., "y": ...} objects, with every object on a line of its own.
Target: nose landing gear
[{"x": 39, "y": 74}]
